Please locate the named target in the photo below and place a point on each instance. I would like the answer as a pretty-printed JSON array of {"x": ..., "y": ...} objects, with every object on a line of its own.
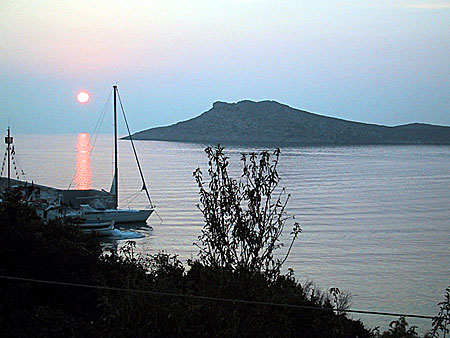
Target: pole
[
  {"x": 116, "y": 169},
  {"x": 8, "y": 142}
]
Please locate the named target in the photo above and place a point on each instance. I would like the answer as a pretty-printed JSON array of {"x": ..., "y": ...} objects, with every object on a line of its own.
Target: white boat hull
[
  {"x": 117, "y": 215},
  {"x": 100, "y": 228}
]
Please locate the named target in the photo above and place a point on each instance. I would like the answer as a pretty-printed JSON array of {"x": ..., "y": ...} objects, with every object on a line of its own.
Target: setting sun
[{"x": 83, "y": 97}]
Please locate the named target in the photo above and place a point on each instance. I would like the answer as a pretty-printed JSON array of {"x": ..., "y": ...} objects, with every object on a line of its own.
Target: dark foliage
[
  {"x": 54, "y": 251},
  {"x": 441, "y": 322},
  {"x": 59, "y": 252},
  {"x": 399, "y": 329}
]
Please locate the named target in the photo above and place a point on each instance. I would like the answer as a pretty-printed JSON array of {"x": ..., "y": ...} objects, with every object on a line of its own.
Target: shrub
[{"x": 245, "y": 218}]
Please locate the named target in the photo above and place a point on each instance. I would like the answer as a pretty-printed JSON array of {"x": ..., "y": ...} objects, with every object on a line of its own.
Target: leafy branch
[{"x": 245, "y": 218}]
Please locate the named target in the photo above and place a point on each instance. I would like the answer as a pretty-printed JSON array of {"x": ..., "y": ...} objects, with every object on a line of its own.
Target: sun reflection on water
[{"x": 83, "y": 173}]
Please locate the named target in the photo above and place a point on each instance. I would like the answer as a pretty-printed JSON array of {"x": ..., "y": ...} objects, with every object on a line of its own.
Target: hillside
[{"x": 270, "y": 122}]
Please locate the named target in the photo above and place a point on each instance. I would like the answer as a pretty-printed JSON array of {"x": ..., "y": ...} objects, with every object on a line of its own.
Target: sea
[{"x": 375, "y": 219}]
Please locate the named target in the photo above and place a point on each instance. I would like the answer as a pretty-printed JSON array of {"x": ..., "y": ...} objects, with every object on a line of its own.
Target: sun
[{"x": 83, "y": 96}]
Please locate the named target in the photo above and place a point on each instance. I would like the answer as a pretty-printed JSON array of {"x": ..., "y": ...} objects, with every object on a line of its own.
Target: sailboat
[
  {"x": 97, "y": 214},
  {"x": 53, "y": 203}
]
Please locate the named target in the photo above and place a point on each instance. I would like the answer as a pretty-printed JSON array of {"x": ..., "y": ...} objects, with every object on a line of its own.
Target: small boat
[
  {"x": 97, "y": 226},
  {"x": 100, "y": 228}
]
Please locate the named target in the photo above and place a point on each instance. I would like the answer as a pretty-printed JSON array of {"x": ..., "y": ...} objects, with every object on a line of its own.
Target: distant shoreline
[
  {"x": 286, "y": 144},
  {"x": 269, "y": 123}
]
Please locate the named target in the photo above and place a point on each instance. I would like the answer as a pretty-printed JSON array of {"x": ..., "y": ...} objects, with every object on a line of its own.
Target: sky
[{"x": 373, "y": 61}]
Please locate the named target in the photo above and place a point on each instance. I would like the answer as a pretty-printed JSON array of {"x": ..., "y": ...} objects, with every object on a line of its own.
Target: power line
[{"x": 219, "y": 299}]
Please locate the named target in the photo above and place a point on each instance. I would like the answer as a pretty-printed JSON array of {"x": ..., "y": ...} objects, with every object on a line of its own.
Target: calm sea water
[{"x": 375, "y": 219}]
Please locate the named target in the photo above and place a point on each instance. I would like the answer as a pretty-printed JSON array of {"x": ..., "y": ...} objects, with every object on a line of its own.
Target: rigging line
[
  {"x": 97, "y": 125},
  {"x": 144, "y": 187},
  {"x": 132, "y": 197},
  {"x": 14, "y": 163},
  {"x": 129, "y": 198},
  {"x": 4, "y": 162},
  {"x": 218, "y": 299},
  {"x": 158, "y": 216},
  {"x": 100, "y": 120},
  {"x": 18, "y": 166},
  {"x": 126, "y": 196},
  {"x": 72, "y": 180}
]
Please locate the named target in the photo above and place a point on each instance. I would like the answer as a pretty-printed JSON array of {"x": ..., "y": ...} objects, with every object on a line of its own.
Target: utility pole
[{"x": 9, "y": 141}]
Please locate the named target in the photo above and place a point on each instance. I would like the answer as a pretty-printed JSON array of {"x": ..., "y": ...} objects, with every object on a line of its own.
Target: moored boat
[
  {"x": 100, "y": 228},
  {"x": 116, "y": 215},
  {"x": 92, "y": 213},
  {"x": 96, "y": 206}
]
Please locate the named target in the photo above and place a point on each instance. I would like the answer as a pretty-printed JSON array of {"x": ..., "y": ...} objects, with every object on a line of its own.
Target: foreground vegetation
[
  {"x": 235, "y": 262},
  {"x": 57, "y": 252}
]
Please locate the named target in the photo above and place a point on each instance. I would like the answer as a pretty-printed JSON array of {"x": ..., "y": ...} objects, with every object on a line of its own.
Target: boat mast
[{"x": 116, "y": 169}]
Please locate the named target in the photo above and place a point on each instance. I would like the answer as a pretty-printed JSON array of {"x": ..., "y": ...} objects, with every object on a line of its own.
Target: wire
[
  {"x": 144, "y": 186},
  {"x": 126, "y": 197},
  {"x": 160, "y": 218},
  {"x": 95, "y": 132},
  {"x": 131, "y": 198},
  {"x": 4, "y": 161},
  {"x": 219, "y": 299},
  {"x": 17, "y": 166}
]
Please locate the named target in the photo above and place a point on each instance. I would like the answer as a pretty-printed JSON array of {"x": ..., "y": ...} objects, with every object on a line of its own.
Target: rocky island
[{"x": 270, "y": 122}]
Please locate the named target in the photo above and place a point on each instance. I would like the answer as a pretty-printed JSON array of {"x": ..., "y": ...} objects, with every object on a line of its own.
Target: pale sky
[{"x": 377, "y": 61}]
